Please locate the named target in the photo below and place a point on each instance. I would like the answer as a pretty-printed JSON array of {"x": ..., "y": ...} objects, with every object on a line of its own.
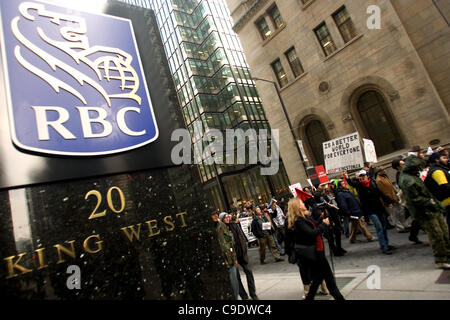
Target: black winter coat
[
  {"x": 256, "y": 227},
  {"x": 305, "y": 232},
  {"x": 240, "y": 243},
  {"x": 441, "y": 192},
  {"x": 348, "y": 205},
  {"x": 370, "y": 197}
]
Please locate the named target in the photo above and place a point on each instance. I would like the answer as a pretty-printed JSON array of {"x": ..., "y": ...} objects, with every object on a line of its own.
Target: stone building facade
[{"x": 337, "y": 76}]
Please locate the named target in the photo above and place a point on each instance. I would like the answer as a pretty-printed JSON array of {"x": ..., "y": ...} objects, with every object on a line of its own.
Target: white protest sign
[
  {"x": 300, "y": 144},
  {"x": 369, "y": 151},
  {"x": 292, "y": 188},
  {"x": 246, "y": 227},
  {"x": 343, "y": 153}
]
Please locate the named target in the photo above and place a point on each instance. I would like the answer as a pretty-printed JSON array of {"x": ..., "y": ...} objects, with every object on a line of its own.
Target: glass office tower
[{"x": 214, "y": 86}]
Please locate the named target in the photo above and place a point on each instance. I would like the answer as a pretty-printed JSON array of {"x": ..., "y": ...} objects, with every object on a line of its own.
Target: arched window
[
  {"x": 379, "y": 123},
  {"x": 316, "y": 134}
]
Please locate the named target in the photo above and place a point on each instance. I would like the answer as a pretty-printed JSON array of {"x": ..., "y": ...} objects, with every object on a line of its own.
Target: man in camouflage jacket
[
  {"x": 226, "y": 242},
  {"x": 426, "y": 209}
]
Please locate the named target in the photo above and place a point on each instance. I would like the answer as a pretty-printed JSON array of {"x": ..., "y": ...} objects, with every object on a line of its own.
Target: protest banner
[{"x": 343, "y": 153}]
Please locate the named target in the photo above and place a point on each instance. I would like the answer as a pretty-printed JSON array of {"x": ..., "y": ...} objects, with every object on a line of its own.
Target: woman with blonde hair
[{"x": 309, "y": 248}]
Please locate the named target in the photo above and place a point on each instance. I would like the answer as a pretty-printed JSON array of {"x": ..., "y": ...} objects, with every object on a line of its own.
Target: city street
[{"x": 408, "y": 274}]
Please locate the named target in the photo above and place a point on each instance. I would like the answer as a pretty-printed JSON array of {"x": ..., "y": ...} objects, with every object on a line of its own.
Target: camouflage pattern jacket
[
  {"x": 421, "y": 203},
  {"x": 226, "y": 242}
]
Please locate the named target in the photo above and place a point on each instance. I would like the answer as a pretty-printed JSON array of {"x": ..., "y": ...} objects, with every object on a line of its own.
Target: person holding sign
[
  {"x": 261, "y": 229},
  {"x": 371, "y": 205}
]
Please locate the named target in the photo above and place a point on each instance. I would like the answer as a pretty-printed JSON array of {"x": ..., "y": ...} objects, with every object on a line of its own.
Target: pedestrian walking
[
  {"x": 349, "y": 207},
  {"x": 370, "y": 198},
  {"x": 398, "y": 164},
  {"x": 320, "y": 210},
  {"x": 426, "y": 209},
  {"x": 289, "y": 248},
  {"x": 240, "y": 246},
  {"x": 309, "y": 247},
  {"x": 390, "y": 200},
  {"x": 438, "y": 181},
  {"x": 273, "y": 229},
  {"x": 278, "y": 218},
  {"x": 261, "y": 227},
  {"x": 226, "y": 243}
]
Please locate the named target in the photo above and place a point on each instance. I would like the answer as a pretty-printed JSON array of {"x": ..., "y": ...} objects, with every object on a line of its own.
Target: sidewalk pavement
[{"x": 408, "y": 274}]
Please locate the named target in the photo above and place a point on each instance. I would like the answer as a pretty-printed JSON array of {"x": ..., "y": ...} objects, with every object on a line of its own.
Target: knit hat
[
  {"x": 222, "y": 216},
  {"x": 434, "y": 157}
]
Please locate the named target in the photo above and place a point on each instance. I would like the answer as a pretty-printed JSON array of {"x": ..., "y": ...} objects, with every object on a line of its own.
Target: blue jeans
[
  {"x": 380, "y": 225},
  {"x": 279, "y": 249},
  {"x": 234, "y": 281},
  {"x": 346, "y": 226}
]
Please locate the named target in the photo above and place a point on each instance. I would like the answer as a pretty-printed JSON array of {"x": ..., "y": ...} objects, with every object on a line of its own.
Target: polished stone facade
[
  {"x": 141, "y": 233},
  {"x": 171, "y": 255}
]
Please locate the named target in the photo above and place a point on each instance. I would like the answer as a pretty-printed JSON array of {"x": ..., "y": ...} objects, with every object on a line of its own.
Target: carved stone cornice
[{"x": 255, "y": 6}]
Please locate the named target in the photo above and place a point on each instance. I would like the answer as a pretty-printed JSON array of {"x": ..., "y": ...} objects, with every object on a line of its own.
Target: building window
[
  {"x": 324, "y": 37},
  {"x": 345, "y": 24},
  {"x": 275, "y": 15},
  {"x": 378, "y": 123},
  {"x": 294, "y": 62},
  {"x": 279, "y": 73},
  {"x": 316, "y": 135},
  {"x": 263, "y": 28}
]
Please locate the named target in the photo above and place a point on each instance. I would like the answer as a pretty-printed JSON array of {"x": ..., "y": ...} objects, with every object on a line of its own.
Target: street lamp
[{"x": 287, "y": 118}]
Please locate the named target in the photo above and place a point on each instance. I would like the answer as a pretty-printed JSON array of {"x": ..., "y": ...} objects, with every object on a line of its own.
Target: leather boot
[
  {"x": 324, "y": 289},
  {"x": 305, "y": 290}
]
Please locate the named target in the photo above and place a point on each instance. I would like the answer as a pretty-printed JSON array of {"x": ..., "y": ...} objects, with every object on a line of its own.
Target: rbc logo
[{"x": 75, "y": 81}]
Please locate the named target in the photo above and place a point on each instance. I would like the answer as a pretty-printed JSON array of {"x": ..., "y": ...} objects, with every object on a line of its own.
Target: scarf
[
  {"x": 365, "y": 183},
  {"x": 319, "y": 240}
]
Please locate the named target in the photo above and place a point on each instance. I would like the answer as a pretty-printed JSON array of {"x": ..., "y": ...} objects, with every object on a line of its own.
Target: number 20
[{"x": 98, "y": 195}]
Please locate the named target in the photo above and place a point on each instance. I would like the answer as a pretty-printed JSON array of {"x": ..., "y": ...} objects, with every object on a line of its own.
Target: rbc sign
[{"x": 75, "y": 81}]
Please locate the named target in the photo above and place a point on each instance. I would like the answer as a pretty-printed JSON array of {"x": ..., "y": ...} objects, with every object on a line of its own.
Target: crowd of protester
[{"x": 418, "y": 199}]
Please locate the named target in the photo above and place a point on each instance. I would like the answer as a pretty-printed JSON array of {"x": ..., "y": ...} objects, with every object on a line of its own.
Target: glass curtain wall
[{"x": 209, "y": 70}]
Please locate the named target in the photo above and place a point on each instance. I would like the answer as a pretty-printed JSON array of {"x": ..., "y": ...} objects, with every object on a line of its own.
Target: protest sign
[
  {"x": 369, "y": 151},
  {"x": 321, "y": 174},
  {"x": 300, "y": 145},
  {"x": 343, "y": 153},
  {"x": 317, "y": 175},
  {"x": 246, "y": 227},
  {"x": 292, "y": 188}
]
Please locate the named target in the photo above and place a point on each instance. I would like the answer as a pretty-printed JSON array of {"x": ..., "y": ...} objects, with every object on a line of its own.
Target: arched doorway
[
  {"x": 316, "y": 134},
  {"x": 378, "y": 122}
]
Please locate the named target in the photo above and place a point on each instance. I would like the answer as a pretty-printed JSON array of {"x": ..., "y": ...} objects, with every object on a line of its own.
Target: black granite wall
[{"x": 89, "y": 221}]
